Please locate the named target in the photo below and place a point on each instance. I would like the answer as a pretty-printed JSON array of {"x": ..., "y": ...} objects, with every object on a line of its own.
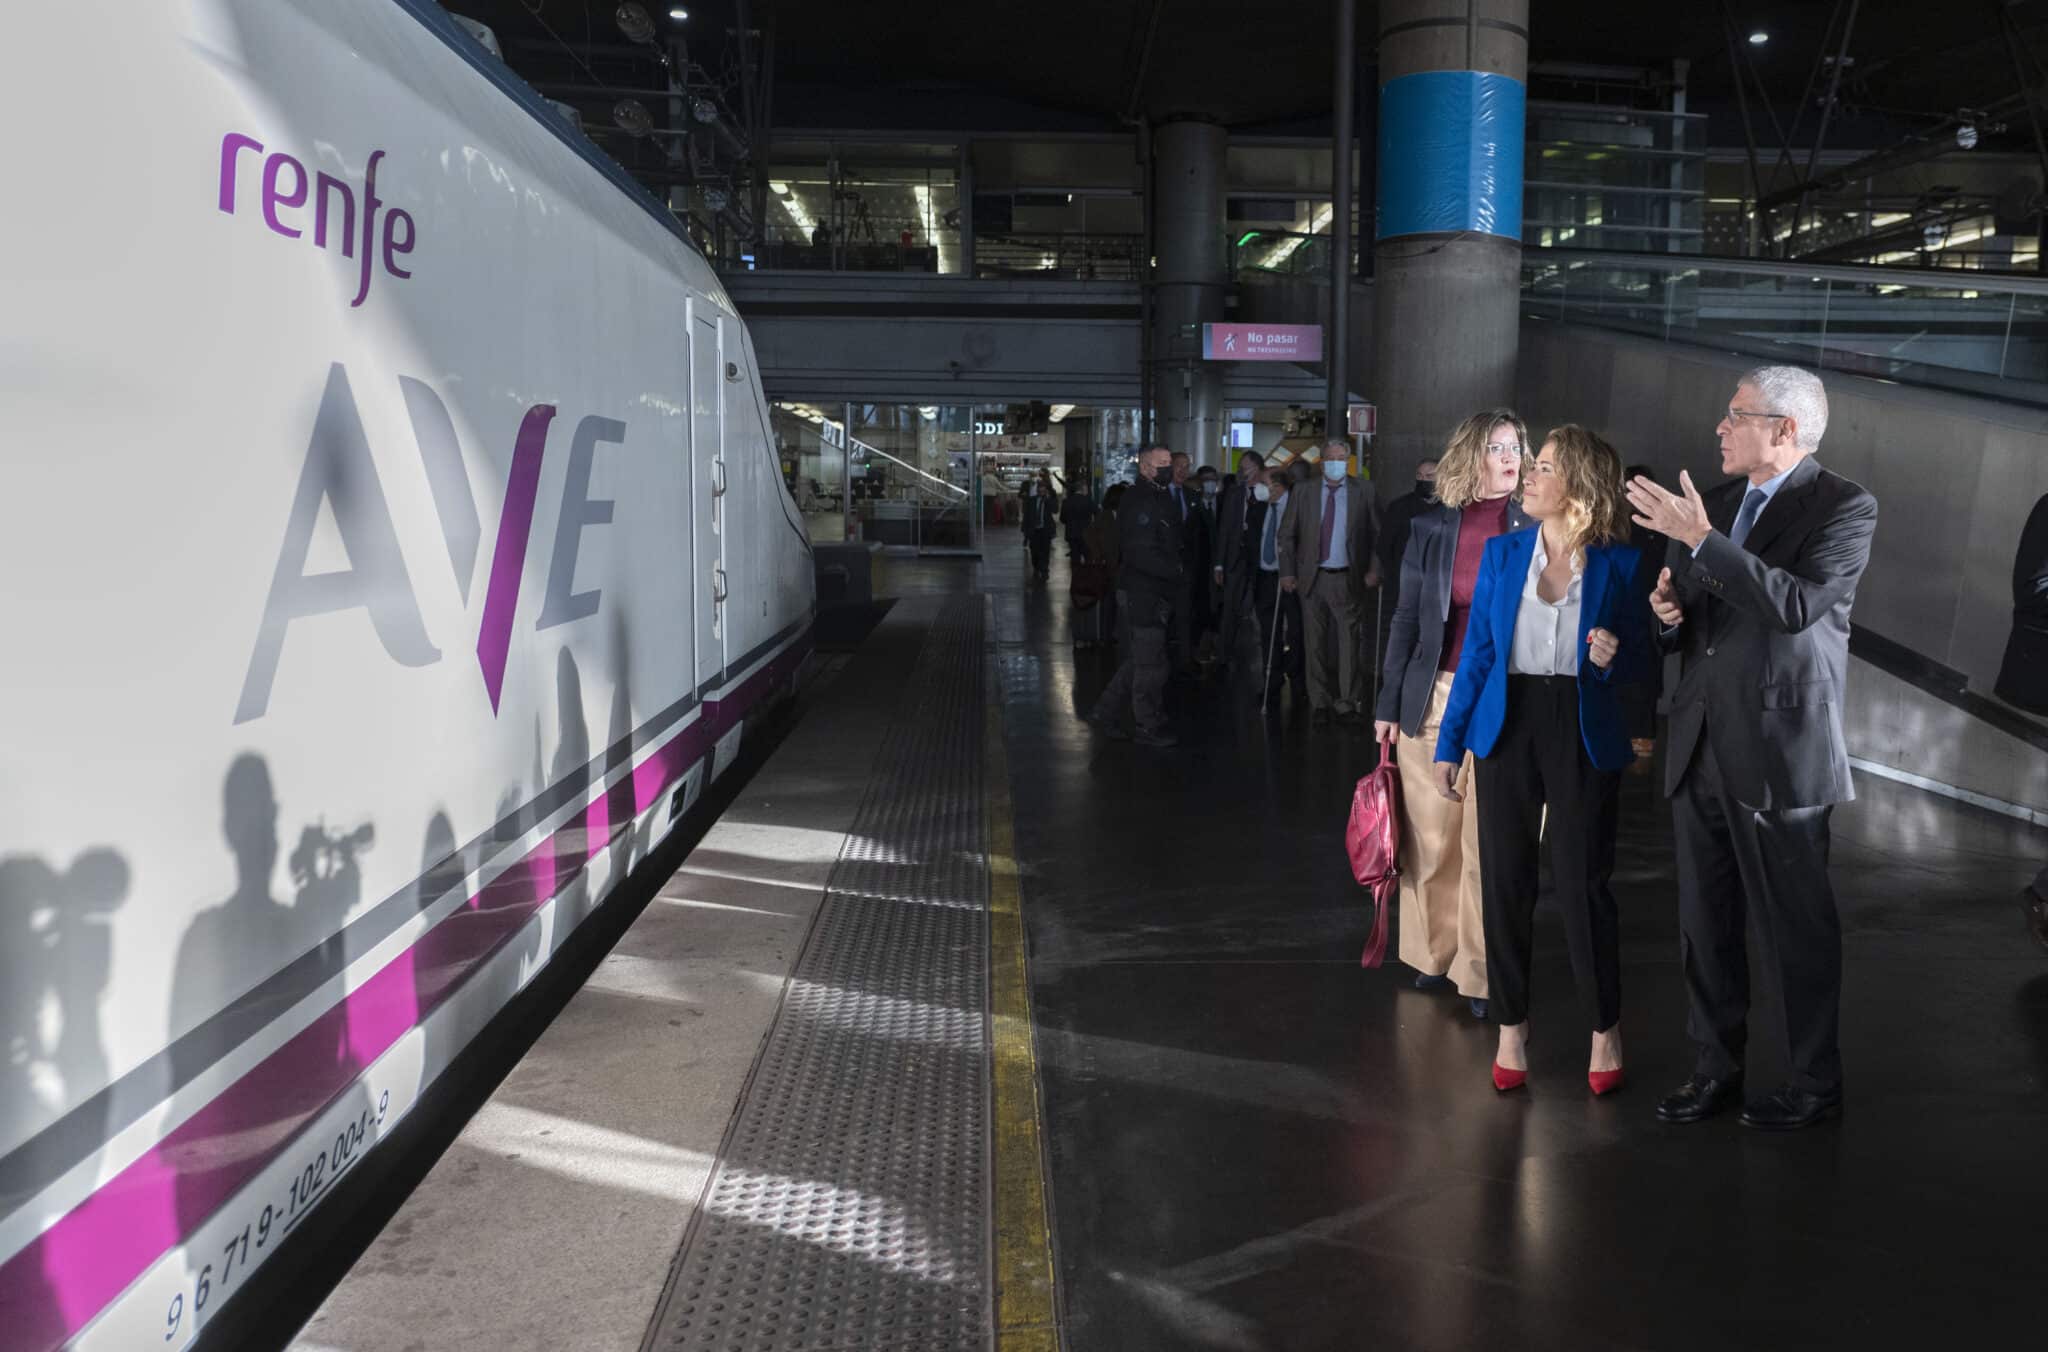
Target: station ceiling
[{"x": 1073, "y": 65}]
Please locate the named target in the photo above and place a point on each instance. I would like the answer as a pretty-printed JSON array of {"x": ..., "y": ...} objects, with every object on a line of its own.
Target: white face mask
[
  {"x": 1333, "y": 471},
  {"x": 1262, "y": 493}
]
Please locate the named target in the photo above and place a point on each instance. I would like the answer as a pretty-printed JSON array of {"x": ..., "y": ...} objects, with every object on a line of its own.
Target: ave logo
[{"x": 340, "y": 472}]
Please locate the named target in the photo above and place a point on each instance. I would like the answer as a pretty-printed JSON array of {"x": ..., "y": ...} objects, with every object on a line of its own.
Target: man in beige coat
[{"x": 1326, "y": 558}]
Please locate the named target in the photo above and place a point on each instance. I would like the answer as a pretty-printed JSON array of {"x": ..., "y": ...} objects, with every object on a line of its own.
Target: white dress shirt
[
  {"x": 1546, "y": 632},
  {"x": 1269, "y": 536}
]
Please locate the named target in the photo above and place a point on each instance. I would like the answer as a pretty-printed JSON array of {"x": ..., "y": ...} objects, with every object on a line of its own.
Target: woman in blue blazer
[{"x": 1552, "y": 636}]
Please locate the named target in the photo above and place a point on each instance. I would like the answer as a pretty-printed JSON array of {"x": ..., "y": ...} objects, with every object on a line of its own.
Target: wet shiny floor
[{"x": 1255, "y": 1144}]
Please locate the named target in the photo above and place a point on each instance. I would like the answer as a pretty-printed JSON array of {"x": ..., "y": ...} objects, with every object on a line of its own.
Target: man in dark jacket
[
  {"x": 1395, "y": 520},
  {"x": 1150, "y": 584},
  {"x": 1075, "y": 514},
  {"x": 1041, "y": 513},
  {"x": 1231, "y": 553},
  {"x": 1755, "y": 597}
]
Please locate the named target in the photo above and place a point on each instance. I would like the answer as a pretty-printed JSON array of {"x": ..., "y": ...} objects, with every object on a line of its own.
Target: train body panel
[{"x": 395, "y": 540}]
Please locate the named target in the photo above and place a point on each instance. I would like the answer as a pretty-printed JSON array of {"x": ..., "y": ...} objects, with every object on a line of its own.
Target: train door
[{"x": 707, "y": 494}]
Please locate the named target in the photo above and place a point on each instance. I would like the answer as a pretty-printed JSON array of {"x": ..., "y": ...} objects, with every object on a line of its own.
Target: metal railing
[
  {"x": 1071, "y": 254},
  {"x": 1982, "y": 332}
]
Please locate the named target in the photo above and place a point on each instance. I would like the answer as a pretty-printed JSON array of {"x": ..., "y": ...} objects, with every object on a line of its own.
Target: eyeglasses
[
  {"x": 1735, "y": 415},
  {"x": 1513, "y": 448}
]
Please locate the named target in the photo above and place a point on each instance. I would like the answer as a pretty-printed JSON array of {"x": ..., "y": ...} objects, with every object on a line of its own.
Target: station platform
[{"x": 964, "y": 1028}]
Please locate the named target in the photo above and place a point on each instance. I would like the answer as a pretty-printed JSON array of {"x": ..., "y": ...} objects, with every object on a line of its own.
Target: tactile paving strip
[{"x": 850, "y": 1209}]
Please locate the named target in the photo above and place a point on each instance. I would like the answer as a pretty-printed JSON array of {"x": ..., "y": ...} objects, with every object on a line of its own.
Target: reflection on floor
[{"x": 1257, "y": 1145}]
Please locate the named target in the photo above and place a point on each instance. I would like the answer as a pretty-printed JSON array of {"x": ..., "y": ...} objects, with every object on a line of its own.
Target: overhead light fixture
[
  {"x": 681, "y": 14},
  {"x": 1966, "y": 136},
  {"x": 779, "y": 188},
  {"x": 1058, "y": 412},
  {"x": 1759, "y": 38}
]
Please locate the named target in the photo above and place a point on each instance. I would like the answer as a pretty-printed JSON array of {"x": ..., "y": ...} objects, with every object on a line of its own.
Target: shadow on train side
[{"x": 56, "y": 958}]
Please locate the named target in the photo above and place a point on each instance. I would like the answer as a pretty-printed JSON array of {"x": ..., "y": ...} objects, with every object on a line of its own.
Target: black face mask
[
  {"x": 1163, "y": 476},
  {"x": 1424, "y": 487}
]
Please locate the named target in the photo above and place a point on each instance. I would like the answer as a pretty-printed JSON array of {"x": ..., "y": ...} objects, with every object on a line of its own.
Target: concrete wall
[{"x": 1955, "y": 477}]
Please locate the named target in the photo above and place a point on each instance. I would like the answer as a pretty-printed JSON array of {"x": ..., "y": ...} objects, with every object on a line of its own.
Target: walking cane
[{"x": 1272, "y": 643}]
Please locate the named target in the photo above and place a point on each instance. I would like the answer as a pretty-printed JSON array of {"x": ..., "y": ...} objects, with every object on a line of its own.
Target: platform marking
[{"x": 1024, "y": 1277}]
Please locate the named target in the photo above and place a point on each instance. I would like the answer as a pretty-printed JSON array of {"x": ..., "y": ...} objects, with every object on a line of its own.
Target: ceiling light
[
  {"x": 681, "y": 14},
  {"x": 1058, "y": 412},
  {"x": 1759, "y": 38},
  {"x": 779, "y": 188}
]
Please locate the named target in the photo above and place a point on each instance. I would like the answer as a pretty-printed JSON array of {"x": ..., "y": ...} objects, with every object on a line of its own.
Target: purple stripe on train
[{"x": 64, "y": 1278}]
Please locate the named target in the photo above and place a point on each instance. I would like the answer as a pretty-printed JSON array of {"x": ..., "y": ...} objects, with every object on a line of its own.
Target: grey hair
[
  {"x": 1798, "y": 394},
  {"x": 1337, "y": 444}
]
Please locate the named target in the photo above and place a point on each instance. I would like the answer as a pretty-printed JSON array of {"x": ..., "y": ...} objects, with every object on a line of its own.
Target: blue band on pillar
[{"x": 1451, "y": 154}]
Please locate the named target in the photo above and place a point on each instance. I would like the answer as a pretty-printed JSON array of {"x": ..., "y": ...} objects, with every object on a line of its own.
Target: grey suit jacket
[
  {"x": 1301, "y": 534},
  {"x": 1764, "y": 646},
  {"x": 1415, "y": 639}
]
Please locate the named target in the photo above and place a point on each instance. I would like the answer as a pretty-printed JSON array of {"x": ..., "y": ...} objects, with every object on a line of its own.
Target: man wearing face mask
[
  {"x": 1398, "y": 517},
  {"x": 1150, "y": 582},
  {"x": 1326, "y": 559}
]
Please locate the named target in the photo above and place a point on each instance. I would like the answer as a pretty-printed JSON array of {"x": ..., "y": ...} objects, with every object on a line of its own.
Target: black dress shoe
[
  {"x": 1158, "y": 737},
  {"x": 1791, "y": 1108},
  {"x": 1700, "y": 1098},
  {"x": 1109, "y": 728},
  {"x": 1432, "y": 981}
]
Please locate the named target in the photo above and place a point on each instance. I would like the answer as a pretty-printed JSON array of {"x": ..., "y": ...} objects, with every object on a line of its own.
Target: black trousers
[
  {"x": 1735, "y": 863},
  {"x": 1288, "y": 649},
  {"x": 1138, "y": 688},
  {"x": 1040, "y": 544},
  {"x": 1540, "y": 761}
]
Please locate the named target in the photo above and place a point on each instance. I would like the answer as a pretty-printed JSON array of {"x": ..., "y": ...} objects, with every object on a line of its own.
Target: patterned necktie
[
  {"x": 1329, "y": 521},
  {"x": 1752, "y": 504}
]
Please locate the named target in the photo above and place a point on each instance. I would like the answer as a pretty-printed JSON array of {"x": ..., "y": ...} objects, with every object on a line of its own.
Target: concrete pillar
[
  {"x": 1448, "y": 256},
  {"x": 1187, "y": 185}
]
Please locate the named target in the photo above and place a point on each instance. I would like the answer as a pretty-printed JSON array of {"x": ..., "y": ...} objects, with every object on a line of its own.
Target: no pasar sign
[{"x": 1262, "y": 342}]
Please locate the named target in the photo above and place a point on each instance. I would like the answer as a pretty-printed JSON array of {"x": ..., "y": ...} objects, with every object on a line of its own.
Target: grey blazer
[
  {"x": 1415, "y": 640},
  {"x": 1765, "y": 642}
]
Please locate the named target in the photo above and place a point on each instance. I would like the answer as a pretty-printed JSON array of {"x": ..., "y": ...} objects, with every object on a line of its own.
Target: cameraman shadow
[{"x": 226, "y": 955}]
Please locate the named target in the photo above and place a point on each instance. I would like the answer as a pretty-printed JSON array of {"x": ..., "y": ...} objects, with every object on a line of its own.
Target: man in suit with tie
[
  {"x": 1755, "y": 599},
  {"x": 1326, "y": 559}
]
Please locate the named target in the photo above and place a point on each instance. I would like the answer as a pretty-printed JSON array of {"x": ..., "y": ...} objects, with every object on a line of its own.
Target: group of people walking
[{"x": 1525, "y": 616}]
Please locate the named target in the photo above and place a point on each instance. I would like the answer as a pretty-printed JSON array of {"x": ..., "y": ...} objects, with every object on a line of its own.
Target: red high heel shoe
[
  {"x": 1505, "y": 1079},
  {"x": 1604, "y": 1081}
]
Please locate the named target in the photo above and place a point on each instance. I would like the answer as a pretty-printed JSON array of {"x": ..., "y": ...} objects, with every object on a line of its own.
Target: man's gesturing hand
[
  {"x": 1664, "y": 602},
  {"x": 1683, "y": 518}
]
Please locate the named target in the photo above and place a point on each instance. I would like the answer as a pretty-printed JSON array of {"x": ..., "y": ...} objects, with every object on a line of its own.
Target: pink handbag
[{"x": 1373, "y": 840}]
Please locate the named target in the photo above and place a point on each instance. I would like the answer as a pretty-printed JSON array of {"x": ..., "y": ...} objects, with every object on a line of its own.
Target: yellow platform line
[{"x": 1025, "y": 1311}]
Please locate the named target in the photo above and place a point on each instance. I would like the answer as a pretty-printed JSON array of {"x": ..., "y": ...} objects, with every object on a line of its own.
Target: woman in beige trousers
[{"x": 1477, "y": 482}]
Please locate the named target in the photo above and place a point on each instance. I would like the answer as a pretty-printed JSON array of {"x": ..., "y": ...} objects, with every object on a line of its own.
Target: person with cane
[{"x": 1279, "y": 610}]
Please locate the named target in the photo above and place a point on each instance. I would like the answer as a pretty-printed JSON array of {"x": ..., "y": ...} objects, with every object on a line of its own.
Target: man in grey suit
[
  {"x": 1326, "y": 559},
  {"x": 1762, "y": 573}
]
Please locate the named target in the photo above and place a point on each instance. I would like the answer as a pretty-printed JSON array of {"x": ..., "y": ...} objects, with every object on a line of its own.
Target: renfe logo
[
  {"x": 340, "y": 472},
  {"x": 332, "y": 199}
]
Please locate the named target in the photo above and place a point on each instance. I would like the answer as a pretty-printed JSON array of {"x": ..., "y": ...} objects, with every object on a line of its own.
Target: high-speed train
[{"x": 393, "y": 547}]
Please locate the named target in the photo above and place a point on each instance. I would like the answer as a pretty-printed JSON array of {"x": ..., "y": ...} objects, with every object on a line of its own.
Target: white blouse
[{"x": 1546, "y": 632}]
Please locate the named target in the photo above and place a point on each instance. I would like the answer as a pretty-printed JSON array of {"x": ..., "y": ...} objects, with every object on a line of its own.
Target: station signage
[{"x": 1262, "y": 342}]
